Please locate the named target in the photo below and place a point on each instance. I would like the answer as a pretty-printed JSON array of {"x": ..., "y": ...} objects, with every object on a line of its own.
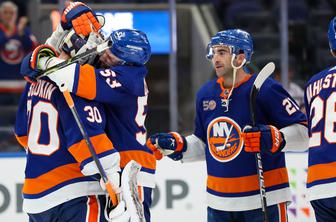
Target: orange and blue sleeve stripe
[
  {"x": 85, "y": 84},
  {"x": 145, "y": 159},
  {"x": 101, "y": 143},
  {"x": 23, "y": 140}
]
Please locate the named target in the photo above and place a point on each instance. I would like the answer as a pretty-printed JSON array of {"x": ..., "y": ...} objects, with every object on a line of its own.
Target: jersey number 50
[{"x": 317, "y": 112}]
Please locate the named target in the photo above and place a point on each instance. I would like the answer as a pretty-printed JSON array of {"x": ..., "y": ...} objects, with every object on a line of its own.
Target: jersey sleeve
[
  {"x": 199, "y": 128},
  {"x": 113, "y": 86},
  {"x": 21, "y": 122},
  {"x": 93, "y": 118},
  {"x": 277, "y": 107}
]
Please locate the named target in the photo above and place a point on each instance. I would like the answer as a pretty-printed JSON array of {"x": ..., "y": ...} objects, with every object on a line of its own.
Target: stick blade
[
  {"x": 264, "y": 74},
  {"x": 130, "y": 191}
]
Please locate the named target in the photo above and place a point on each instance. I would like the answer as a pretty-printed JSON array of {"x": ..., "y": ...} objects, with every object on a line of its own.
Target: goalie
[{"x": 116, "y": 78}]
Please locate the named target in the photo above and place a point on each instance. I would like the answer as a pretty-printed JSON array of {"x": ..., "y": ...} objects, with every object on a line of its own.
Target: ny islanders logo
[
  {"x": 224, "y": 139},
  {"x": 12, "y": 52}
]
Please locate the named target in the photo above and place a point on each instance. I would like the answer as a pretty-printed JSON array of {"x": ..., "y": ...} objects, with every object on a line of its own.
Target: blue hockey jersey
[
  {"x": 124, "y": 93},
  {"x": 59, "y": 165},
  {"x": 232, "y": 183},
  {"x": 320, "y": 103},
  {"x": 12, "y": 50}
]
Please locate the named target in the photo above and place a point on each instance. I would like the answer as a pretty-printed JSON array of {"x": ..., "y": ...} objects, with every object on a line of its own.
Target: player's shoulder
[
  {"x": 207, "y": 88},
  {"x": 322, "y": 74},
  {"x": 131, "y": 78},
  {"x": 130, "y": 70}
]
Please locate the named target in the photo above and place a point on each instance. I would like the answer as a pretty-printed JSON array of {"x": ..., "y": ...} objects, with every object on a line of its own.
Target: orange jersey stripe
[
  {"x": 247, "y": 183},
  {"x": 145, "y": 159},
  {"x": 80, "y": 151},
  {"x": 52, "y": 178},
  {"x": 23, "y": 140},
  {"x": 282, "y": 212},
  {"x": 321, "y": 172},
  {"x": 93, "y": 209},
  {"x": 87, "y": 82}
]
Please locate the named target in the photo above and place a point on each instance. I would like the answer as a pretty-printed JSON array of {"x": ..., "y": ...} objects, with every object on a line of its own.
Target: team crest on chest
[{"x": 224, "y": 139}]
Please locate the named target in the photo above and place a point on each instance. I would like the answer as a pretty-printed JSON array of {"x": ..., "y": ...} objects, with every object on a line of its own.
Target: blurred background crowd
[{"x": 26, "y": 23}]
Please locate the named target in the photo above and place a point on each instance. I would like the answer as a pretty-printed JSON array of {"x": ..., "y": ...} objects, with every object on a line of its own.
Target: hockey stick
[
  {"x": 96, "y": 50},
  {"x": 88, "y": 142},
  {"x": 261, "y": 77},
  {"x": 130, "y": 192}
]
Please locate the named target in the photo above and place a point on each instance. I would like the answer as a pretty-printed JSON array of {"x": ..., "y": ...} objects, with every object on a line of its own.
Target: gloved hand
[
  {"x": 80, "y": 17},
  {"x": 167, "y": 144},
  {"x": 31, "y": 64},
  {"x": 74, "y": 45},
  {"x": 263, "y": 138},
  {"x": 117, "y": 214}
]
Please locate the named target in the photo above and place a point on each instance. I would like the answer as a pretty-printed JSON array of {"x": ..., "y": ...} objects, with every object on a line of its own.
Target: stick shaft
[
  {"x": 264, "y": 73},
  {"x": 88, "y": 142},
  {"x": 96, "y": 50}
]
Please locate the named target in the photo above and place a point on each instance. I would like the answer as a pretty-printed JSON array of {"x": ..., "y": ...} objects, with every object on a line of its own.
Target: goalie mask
[
  {"x": 130, "y": 46},
  {"x": 237, "y": 40},
  {"x": 332, "y": 34}
]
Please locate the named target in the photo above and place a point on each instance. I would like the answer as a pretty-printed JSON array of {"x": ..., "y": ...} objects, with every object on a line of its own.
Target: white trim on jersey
[
  {"x": 62, "y": 195},
  {"x": 249, "y": 202},
  {"x": 322, "y": 191},
  {"x": 109, "y": 163},
  {"x": 146, "y": 179},
  {"x": 195, "y": 149},
  {"x": 296, "y": 137}
]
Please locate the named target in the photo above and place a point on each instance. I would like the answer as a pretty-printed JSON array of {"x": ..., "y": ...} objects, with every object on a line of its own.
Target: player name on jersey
[
  {"x": 42, "y": 89},
  {"x": 314, "y": 88}
]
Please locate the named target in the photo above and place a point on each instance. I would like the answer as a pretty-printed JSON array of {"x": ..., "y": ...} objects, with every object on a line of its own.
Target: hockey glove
[
  {"x": 31, "y": 65},
  {"x": 264, "y": 139},
  {"x": 80, "y": 17},
  {"x": 118, "y": 213},
  {"x": 74, "y": 45},
  {"x": 167, "y": 144}
]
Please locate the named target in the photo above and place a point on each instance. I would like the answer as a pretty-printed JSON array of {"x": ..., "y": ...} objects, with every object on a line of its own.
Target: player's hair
[{"x": 10, "y": 4}]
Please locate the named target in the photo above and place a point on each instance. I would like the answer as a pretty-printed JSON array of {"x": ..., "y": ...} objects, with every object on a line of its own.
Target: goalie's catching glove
[
  {"x": 167, "y": 144},
  {"x": 263, "y": 138},
  {"x": 31, "y": 64},
  {"x": 80, "y": 17}
]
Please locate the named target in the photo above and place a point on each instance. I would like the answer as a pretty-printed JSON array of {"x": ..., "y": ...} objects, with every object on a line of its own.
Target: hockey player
[
  {"x": 122, "y": 88},
  {"x": 320, "y": 103},
  {"x": 222, "y": 114},
  {"x": 60, "y": 183}
]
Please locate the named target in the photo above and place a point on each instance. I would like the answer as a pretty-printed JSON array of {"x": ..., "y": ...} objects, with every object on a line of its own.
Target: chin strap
[{"x": 234, "y": 74}]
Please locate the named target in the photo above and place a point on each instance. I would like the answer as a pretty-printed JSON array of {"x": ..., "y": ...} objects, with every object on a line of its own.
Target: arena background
[{"x": 290, "y": 33}]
